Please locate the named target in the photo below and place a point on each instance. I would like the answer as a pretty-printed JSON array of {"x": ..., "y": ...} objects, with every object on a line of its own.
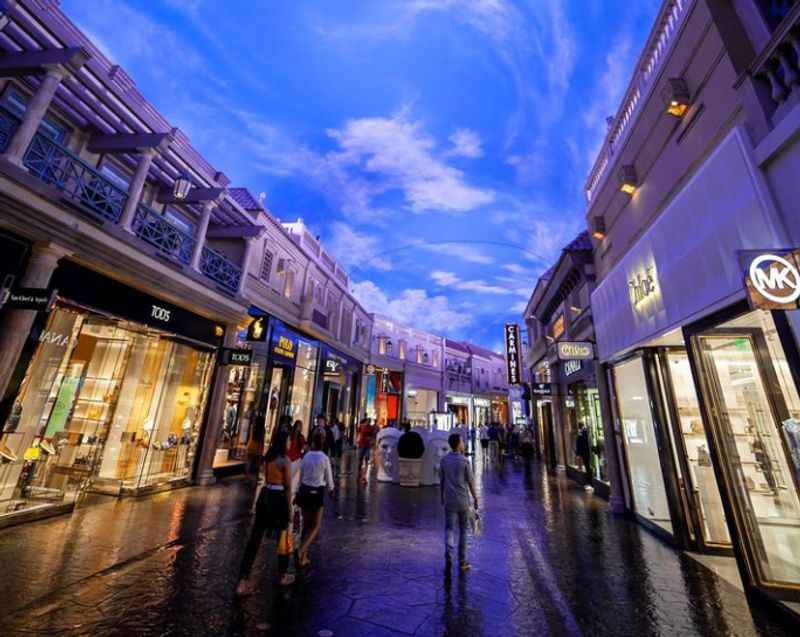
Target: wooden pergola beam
[
  {"x": 128, "y": 143},
  {"x": 196, "y": 195},
  {"x": 38, "y": 62}
]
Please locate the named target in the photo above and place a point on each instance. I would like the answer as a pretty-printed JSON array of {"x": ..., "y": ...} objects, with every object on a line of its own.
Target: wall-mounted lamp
[
  {"x": 599, "y": 228},
  {"x": 676, "y": 96},
  {"x": 181, "y": 187},
  {"x": 628, "y": 180}
]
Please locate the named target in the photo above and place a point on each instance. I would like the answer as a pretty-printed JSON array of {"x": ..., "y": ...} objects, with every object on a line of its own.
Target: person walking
[
  {"x": 272, "y": 516},
  {"x": 457, "y": 484},
  {"x": 494, "y": 442},
  {"x": 365, "y": 441},
  {"x": 315, "y": 476},
  {"x": 583, "y": 451},
  {"x": 483, "y": 433}
]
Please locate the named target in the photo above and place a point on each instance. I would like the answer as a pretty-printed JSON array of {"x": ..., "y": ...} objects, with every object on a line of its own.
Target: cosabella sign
[
  {"x": 574, "y": 350},
  {"x": 773, "y": 279}
]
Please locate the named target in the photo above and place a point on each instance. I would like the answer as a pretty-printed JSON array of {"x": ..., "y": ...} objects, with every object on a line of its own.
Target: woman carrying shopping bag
[{"x": 272, "y": 515}]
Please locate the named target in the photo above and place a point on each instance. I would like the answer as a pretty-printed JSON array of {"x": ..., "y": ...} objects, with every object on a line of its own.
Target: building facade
[
  {"x": 695, "y": 218},
  {"x": 563, "y": 367}
]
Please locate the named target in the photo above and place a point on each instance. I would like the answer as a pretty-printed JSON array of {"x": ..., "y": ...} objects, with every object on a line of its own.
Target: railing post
[
  {"x": 34, "y": 114},
  {"x": 248, "y": 251},
  {"x": 200, "y": 237},
  {"x": 135, "y": 189}
]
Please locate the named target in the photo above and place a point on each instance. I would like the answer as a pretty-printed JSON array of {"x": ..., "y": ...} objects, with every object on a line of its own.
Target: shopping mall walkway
[{"x": 551, "y": 561}]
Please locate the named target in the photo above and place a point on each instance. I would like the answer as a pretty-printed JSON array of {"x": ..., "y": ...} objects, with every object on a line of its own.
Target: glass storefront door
[
  {"x": 754, "y": 410},
  {"x": 587, "y": 406},
  {"x": 641, "y": 446},
  {"x": 689, "y": 437}
]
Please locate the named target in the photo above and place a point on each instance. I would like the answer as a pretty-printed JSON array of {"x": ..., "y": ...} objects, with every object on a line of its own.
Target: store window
[
  {"x": 639, "y": 435},
  {"x": 587, "y": 405},
  {"x": 266, "y": 266},
  {"x": 17, "y": 102},
  {"x": 746, "y": 378},
  {"x": 419, "y": 404},
  {"x": 104, "y": 402},
  {"x": 301, "y": 396}
]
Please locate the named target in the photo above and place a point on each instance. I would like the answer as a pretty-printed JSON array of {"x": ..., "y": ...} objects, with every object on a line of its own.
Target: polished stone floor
[{"x": 551, "y": 561}]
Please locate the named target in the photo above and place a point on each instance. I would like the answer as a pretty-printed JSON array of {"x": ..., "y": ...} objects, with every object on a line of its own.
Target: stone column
[
  {"x": 613, "y": 464},
  {"x": 200, "y": 237},
  {"x": 34, "y": 113},
  {"x": 215, "y": 416},
  {"x": 248, "y": 253},
  {"x": 135, "y": 189},
  {"x": 17, "y": 325}
]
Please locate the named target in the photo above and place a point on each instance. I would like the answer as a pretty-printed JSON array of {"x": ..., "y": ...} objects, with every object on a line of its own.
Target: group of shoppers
[
  {"x": 295, "y": 474},
  {"x": 498, "y": 441}
]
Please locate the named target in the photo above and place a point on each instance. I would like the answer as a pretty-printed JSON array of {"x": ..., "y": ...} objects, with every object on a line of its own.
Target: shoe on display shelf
[{"x": 6, "y": 454}]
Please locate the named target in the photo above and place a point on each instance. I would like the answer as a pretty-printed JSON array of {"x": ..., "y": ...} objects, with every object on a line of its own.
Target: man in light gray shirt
[{"x": 457, "y": 485}]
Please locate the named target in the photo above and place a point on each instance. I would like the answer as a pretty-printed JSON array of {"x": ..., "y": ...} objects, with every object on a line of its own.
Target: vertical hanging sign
[{"x": 513, "y": 362}]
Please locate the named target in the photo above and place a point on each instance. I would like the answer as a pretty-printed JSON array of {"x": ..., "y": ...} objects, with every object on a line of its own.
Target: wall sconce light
[
  {"x": 676, "y": 96},
  {"x": 599, "y": 228},
  {"x": 628, "y": 180},
  {"x": 181, "y": 187}
]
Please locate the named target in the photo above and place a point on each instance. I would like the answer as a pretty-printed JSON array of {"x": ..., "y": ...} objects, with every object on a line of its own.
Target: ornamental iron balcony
[
  {"x": 8, "y": 125},
  {"x": 219, "y": 269},
  {"x": 77, "y": 180},
  {"x": 158, "y": 231}
]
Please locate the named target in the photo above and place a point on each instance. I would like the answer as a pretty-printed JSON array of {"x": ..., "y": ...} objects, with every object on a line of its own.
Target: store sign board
[
  {"x": 235, "y": 356},
  {"x": 541, "y": 389},
  {"x": 772, "y": 279},
  {"x": 642, "y": 286},
  {"x": 257, "y": 330},
  {"x": 572, "y": 366},
  {"x": 513, "y": 354},
  {"x": 574, "y": 350},
  {"x": 38, "y": 299}
]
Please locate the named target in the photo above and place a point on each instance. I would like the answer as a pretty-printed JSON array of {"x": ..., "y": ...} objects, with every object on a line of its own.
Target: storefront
[
  {"x": 703, "y": 352},
  {"x": 245, "y": 400},
  {"x": 291, "y": 374},
  {"x": 384, "y": 398},
  {"x": 339, "y": 388},
  {"x": 113, "y": 395},
  {"x": 482, "y": 411},
  {"x": 420, "y": 403},
  {"x": 460, "y": 406}
]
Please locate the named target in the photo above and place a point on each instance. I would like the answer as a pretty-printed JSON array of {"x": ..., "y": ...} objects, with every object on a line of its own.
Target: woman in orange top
[{"x": 272, "y": 515}]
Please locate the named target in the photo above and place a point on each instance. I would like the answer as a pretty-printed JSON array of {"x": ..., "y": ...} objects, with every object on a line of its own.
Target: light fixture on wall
[
  {"x": 181, "y": 187},
  {"x": 599, "y": 228},
  {"x": 628, "y": 180},
  {"x": 676, "y": 96}
]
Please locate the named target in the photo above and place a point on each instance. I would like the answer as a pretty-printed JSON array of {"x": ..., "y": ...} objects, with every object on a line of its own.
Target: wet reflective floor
[{"x": 551, "y": 560}]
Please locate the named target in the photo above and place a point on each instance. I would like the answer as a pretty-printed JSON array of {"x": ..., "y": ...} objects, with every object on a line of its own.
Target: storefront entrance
[
  {"x": 544, "y": 413},
  {"x": 751, "y": 404}
]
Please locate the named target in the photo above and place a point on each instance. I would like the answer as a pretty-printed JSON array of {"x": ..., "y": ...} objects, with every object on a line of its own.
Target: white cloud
[
  {"x": 413, "y": 307},
  {"x": 466, "y": 143},
  {"x": 399, "y": 155},
  {"x": 354, "y": 249},
  {"x": 515, "y": 268},
  {"x": 461, "y": 251},
  {"x": 450, "y": 280},
  {"x": 518, "y": 308}
]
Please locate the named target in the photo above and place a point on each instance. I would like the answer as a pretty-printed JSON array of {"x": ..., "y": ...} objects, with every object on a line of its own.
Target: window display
[
  {"x": 301, "y": 393},
  {"x": 705, "y": 493},
  {"x": 639, "y": 435},
  {"x": 419, "y": 404},
  {"x": 587, "y": 405},
  {"x": 105, "y": 403},
  {"x": 746, "y": 375}
]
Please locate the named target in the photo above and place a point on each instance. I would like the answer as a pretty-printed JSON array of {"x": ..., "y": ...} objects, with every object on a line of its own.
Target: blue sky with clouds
[{"x": 439, "y": 147}]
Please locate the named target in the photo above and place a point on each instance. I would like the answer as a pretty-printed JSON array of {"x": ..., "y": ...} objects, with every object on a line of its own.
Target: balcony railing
[
  {"x": 219, "y": 269},
  {"x": 77, "y": 180},
  {"x": 171, "y": 241},
  {"x": 661, "y": 39},
  {"x": 779, "y": 62},
  {"x": 8, "y": 124}
]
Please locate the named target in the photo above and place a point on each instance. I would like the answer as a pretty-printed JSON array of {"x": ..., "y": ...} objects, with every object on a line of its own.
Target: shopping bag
[{"x": 285, "y": 542}]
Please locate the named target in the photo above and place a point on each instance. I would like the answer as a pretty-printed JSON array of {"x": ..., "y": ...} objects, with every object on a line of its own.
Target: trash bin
[{"x": 409, "y": 471}]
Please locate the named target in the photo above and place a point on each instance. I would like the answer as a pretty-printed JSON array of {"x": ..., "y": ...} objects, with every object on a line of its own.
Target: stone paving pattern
[{"x": 551, "y": 561}]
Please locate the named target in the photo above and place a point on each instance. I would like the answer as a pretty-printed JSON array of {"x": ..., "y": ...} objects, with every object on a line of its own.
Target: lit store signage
[
  {"x": 235, "y": 356},
  {"x": 574, "y": 350},
  {"x": 572, "y": 366},
  {"x": 773, "y": 279},
  {"x": 513, "y": 362},
  {"x": 642, "y": 286}
]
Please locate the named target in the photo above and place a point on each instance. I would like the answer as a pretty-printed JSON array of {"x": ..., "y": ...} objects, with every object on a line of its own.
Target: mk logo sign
[{"x": 775, "y": 278}]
